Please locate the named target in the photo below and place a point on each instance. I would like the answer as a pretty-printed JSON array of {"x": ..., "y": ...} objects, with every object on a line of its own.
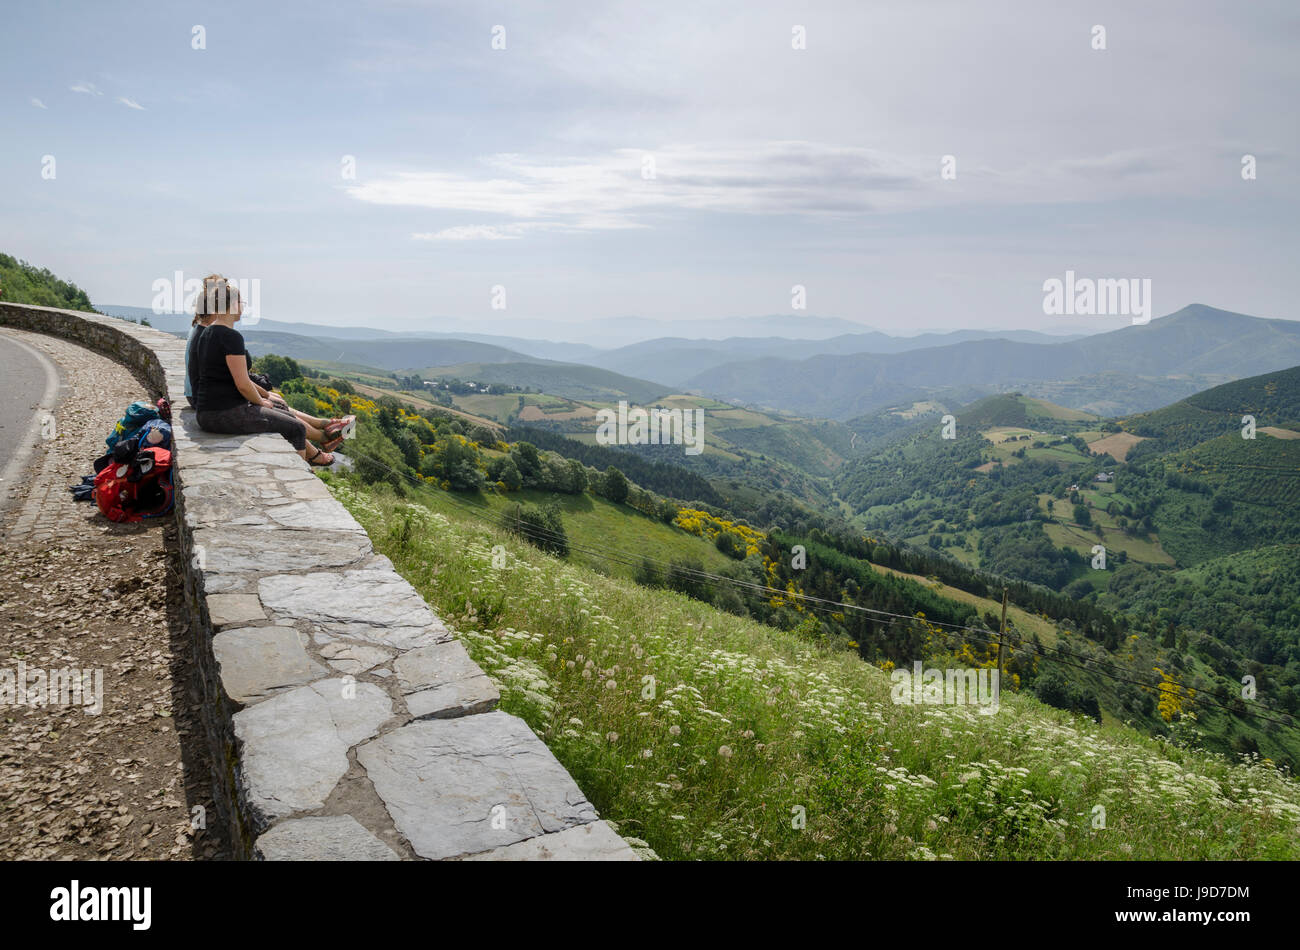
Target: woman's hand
[{"x": 268, "y": 404}]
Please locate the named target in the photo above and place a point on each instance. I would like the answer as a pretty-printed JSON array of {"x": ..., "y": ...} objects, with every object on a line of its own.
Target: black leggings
[{"x": 247, "y": 419}]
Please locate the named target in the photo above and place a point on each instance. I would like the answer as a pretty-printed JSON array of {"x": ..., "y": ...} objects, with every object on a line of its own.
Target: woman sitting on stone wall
[
  {"x": 227, "y": 401},
  {"x": 202, "y": 320}
]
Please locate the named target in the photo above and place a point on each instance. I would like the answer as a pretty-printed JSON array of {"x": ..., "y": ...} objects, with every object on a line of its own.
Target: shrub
[
  {"x": 455, "y": 460},
  {"x": 377, "y": 459},
  {"x": 542, "y": 527},
  {"x": 279, "y": 369},
  {"x": 614, "y": 485}
]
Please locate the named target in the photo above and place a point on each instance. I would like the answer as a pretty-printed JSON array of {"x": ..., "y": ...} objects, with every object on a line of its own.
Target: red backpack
[{"x": 135, "y": 490}]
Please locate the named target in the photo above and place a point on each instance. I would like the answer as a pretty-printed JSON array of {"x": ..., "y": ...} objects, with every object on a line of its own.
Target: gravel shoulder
[{"x": 80, "y": 592}]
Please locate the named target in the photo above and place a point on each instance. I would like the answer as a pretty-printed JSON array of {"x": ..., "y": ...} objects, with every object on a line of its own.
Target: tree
[
  {"x": 1082, "y": 515},
  {"x": 542, "y": 527},
  {"x": 506, "y": 472},
  {"x": 409, "y": 445},
  {"x": 455, "y": 460},
  {"x": 483, "y": 436},
  {"x": 528, "y": 462},
  {"x": 278, "y": 369},
  {"x": 577, "y": 477},
  {"x": 729, "y": 544},
  {"x": 615, "y": 485},
  {"x": 377, "y": 459}
]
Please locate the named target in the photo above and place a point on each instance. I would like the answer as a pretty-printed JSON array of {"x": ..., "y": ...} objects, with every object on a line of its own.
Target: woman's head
[{"x": 219, "y": 298}]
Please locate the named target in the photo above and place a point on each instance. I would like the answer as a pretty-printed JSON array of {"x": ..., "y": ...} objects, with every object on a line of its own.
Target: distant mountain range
[
  {"x": 565, "y": 339},
  {"x": 840, "y": 376},
  {"x": 1127, "y": 370},
  {"x": 677, "y": 360},
  {"x": 669, "y": 360},
  {"x": 751, "y": 337}
]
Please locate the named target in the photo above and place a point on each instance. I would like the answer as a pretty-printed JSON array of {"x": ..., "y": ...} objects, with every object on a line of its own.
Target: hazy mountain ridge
[
  {"x": 1194, "y": 341},
  {"x": 676, "y": 360}
]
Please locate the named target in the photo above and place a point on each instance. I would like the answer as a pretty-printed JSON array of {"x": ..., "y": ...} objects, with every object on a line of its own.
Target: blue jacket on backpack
[{"x": 137, "y": 414}]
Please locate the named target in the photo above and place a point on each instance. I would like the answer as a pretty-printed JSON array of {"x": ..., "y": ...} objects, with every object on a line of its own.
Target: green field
[
  {"x": 481, "y": 404},
  {"x": 1067, "y": 535},
  {"x": 1041, "y": 408},
  {"x": 592, "y": 523}
]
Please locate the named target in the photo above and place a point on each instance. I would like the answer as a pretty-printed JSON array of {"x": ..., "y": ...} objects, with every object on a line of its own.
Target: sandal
[
  {"x": 314, "y": 459},
  {"x": 343, "y": 428},
  {"x": 332, "y": 444}
]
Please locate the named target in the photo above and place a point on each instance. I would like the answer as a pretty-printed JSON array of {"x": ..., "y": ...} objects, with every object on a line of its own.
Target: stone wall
[{"x": 346, "y": 721}]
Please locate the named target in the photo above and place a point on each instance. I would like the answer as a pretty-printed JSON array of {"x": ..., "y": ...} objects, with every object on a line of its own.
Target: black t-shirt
[
  {"x": 215, "y": 387},
  {"x": 192, "y": 363}
]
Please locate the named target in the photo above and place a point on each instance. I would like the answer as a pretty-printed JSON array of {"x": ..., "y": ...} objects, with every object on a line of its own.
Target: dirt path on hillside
[{"x": 79, "y": 592}]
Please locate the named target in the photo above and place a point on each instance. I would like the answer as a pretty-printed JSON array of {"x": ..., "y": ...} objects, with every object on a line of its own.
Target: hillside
[
  {"x": 21, "y": 282},
  {"x": 1273, "y": 399},
  {"x": 1186, "y": 505},
  {"x": 702, "y": 733},
  {"x": 1016, "y": 409},
  {"x": 1196, "y": 343},
  {"x": 1006, "y": 506}
]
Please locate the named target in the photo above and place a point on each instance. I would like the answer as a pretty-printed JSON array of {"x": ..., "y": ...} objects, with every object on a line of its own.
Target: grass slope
[{"x": 711, "y": 736}]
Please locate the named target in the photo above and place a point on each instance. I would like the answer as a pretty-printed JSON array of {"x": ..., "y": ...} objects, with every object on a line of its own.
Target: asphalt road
[{"x": 29, "y": 384}]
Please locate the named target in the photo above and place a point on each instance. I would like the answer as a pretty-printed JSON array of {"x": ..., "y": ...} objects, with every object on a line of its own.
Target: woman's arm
[
  {"x": 238, "y": 367},
  {"x": 275, "y": 400}
]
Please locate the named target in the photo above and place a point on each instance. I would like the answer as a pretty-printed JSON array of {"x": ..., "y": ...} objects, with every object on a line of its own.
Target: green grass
[
  {"x": 494, "y": 407},
  {"x": 591, "y": 523},
  {"x": 1113, "y": 539},
  {"x": 1069, "y": 535},
  {"x": 1063, "y": 454},
  {"x": 1042, "y": 409},
  {"x": 711, "y": 736},
  {"x": 1021, "y": 620}
]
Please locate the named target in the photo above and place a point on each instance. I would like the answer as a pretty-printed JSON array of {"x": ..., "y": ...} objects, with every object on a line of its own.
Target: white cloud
[
  {"x": 474, "y": 232},
  {"x": 38, "y": 104},
  {"x": 89, "y": 88},
  {"x": 609, "y": 191},
  {"x": 130, "y": 103}
]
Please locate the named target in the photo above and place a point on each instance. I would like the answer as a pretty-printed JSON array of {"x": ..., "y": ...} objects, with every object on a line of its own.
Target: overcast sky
[{"x": 525, "y": 167}]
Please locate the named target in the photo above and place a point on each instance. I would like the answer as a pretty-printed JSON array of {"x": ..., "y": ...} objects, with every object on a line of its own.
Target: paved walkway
[{"x": 79, "y": 592}]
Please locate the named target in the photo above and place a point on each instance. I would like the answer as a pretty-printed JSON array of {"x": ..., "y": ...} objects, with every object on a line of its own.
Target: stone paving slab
[
  {"x": 295, "y": 745},
  {"x": 337, "y": 838},
  {"x": 377, "y": 606},
  {"x": 456, "y": 787},
  {"x": 258, "y": 662},
  {"x": 441, "y": 681},
  {"x": 594, "y": 841}
]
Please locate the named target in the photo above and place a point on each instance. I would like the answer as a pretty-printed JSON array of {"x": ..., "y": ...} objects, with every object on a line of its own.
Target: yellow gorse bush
[
  {"x": 1175, "y": 699},
  {"x": 705, "y": 525}
]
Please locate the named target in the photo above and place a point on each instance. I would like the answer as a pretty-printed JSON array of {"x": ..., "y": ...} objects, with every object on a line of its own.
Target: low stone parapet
[{"x": 346, "y": 721}]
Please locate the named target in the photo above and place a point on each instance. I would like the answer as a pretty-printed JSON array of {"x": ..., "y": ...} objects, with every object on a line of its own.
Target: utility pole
[{"x": 1002, "y": 632}]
